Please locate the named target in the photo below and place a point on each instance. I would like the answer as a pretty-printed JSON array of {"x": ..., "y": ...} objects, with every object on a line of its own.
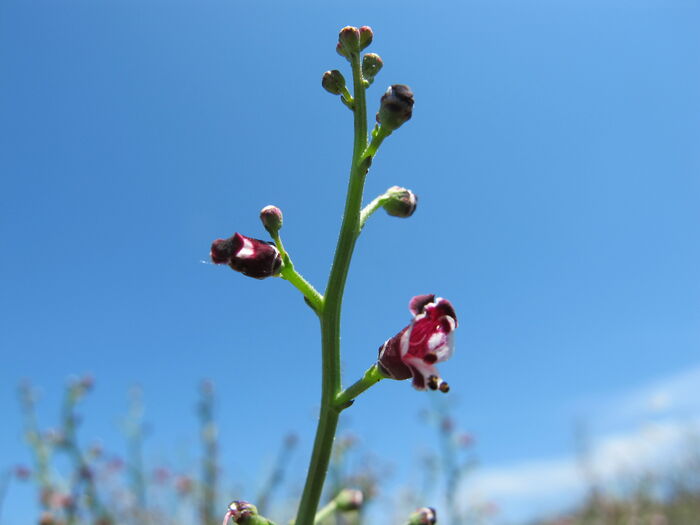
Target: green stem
[
  {"x": 325, "y": 512},
  {"x": 330, "y": 317},
  {"x": 345, "y": 398},
  {"x": 373, "y": 206},
  {"x": 378, "y": 136},
  {"x": 288, "y": 273}
]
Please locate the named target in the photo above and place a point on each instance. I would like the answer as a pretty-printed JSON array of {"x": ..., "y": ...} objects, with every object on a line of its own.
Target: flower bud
[
  {"x": 349, "y": 39},
  {"x": 244, "y": 513},
  {"x": 349, "y": 499},
  {"x": 271, "y": 217},
  {"x": 251, "y": 257},
  {"x": 423, "y": 516},
  {"x": 402, "y": 202},
  {"x": 333, "y": 82},
  {"x": 366, "y": 37},
  {"x": 371, "y": 65},
  {"x": 241, "y": 509},
  {"x": 396, "y": 106}
]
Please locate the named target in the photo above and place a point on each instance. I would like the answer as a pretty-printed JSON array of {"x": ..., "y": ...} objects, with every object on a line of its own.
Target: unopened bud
[
  {"x": 349, "y": 39},
  {"x": 349, "y": 499},
  {"x": 271, "y": 217},
  {"x": 244, "y": 513},
  {"x": 423, "y": 516},
  {"x": 240, "y": 510},
  {"x": 396, "y": 106},
  {"x": 402, "y": 202},
  {"x": 366, "y": 36},
  {"x": 333, "y": 82},
  {"x": 371, "y": 65}
]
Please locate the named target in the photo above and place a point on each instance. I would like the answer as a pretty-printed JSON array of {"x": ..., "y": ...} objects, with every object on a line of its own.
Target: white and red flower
[
  {"x": 251, "y": 257},
  {"x": 429, "y": 339}
]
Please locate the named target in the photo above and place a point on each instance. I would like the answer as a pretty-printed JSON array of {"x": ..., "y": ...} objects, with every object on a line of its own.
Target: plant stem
[
  {"x": 373, "y": 206},
  {"x": 288, "y": 273},
  {"x": 330, "y": 317},
  {"x": 345, "y": 398},
  {"x": 326, "y": 511}
]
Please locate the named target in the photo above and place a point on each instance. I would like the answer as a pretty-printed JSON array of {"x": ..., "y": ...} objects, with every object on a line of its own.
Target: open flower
[
  {"x": 251, "y": 257},
  {"x": 429, "y": 339}
]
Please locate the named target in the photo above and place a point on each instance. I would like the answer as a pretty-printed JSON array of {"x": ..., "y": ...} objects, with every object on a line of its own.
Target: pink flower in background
[
  {"x": 251, "y": 257},
  {"x": 429, "y": 339}
]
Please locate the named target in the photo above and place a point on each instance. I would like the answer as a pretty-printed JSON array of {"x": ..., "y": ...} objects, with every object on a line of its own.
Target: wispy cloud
[
  {"x": 539, "y": 486},
  {"x": 677, "y": 394}
]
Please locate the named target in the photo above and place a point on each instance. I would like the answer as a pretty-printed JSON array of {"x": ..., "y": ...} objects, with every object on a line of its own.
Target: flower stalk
[{"x": 333, "y": 299}]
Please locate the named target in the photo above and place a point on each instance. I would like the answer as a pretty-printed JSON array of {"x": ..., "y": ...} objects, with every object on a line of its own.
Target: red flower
[
  {"x": 251, "y": 257},
  {"x": 429, "y": 339}
]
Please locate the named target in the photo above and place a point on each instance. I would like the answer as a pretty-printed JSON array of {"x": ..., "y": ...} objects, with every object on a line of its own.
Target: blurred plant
[
  {"x": 668, "y": 496},
  {"x": 279, "y": 468},
  {"x": 134, "y": 430},
  {"x": 359, "y": 470},
  {"x": 454, "y": 459},
  {"x": 210, "y": 469},
  {"x": 415, "y": 350}
]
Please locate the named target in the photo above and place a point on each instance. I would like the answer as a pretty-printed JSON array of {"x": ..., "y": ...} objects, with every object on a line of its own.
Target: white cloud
[
  {"x": 676, "y": 394},
  {"x": 661, "y": 417}
]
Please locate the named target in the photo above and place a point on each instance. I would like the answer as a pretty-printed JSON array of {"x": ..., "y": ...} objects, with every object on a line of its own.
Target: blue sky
[{"x": 553, "y": 147}]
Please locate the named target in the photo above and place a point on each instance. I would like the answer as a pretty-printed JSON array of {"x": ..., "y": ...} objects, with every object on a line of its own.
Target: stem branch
[{"x": 345, "y": 398}]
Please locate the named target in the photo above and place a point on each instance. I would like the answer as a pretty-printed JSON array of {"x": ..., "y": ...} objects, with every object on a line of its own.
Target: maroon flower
[
  {"x": 251, "y": 257},
  {"x": 414, "y": 351}
]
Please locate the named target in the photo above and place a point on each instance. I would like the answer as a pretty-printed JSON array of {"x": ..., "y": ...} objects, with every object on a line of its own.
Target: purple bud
[
  {"x": 251, "y": 257},
  {"x": 349, "y": 499},
  {"x": 371, "y": 65},
  {"x": 423, "y": 516},
  {"x": 402, "y": 202},
  {"x": 271, "y": 217},
  {"x": 349, "y": 39},
  {"x": 366, "y": 36},
  {"x": 333, "y": 82},
  {"x": 240, "y": 510},
  {"x": 396, "y": 106}
]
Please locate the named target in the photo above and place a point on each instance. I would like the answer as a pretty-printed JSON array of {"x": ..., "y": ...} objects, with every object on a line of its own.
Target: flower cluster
[{"x": 429, "y": 339}]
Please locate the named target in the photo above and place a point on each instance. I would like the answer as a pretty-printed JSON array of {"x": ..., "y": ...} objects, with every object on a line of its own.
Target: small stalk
[{"x": 346, "y": 398}]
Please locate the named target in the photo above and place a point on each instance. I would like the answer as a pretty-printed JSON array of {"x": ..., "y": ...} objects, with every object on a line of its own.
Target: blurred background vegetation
[{"x": 77, "y": 482}]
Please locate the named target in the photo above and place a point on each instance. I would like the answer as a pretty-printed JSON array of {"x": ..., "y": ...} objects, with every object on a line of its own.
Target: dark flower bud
[
  {"x": 371, "y": 65},
  {"x": 333, "y": 82},
  {"x": 251, "y": 257},
  {"x": 423, "y": 516},
  {"x": 396, "y": 106},
  {"x": 244, "y": 513},
  {"x": 349, "y": 39},
  {"x": 366, "y": 36},
  {"x": 271, "y": 217},
  {"x": 349, "y": 499},
  {"x": 402, "y": 202}
]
